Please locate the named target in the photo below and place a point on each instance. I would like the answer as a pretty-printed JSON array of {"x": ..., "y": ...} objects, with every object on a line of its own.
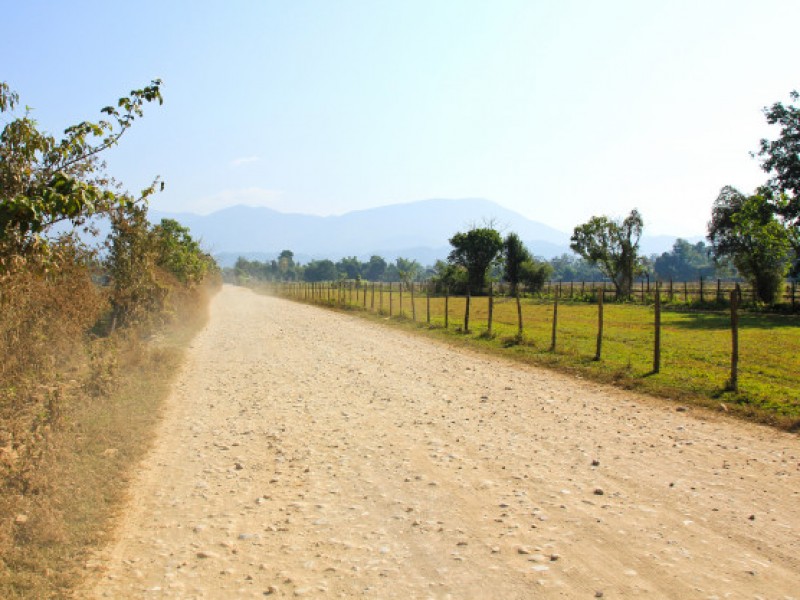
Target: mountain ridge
[{"x": 418, "y": 230}]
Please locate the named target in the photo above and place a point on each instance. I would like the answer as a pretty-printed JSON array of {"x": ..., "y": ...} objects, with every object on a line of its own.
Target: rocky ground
[{"x": 314, "y": 454}]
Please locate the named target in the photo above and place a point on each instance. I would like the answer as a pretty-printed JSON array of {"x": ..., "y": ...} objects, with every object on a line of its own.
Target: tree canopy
[
  {"x": 613, "y": 246},
  {"x": 475, "y": 250},
  {"x": 781, "y": 157},
  {"x": 44, "y": 181},
  {"x": 745, "y": 229}
]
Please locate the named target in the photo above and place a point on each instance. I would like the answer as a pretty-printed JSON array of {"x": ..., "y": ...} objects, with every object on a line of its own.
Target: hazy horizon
[{"x": 558, "y": 111}]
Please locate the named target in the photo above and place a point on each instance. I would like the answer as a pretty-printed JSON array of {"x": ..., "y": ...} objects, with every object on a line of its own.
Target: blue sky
[{"x": 558, "y": 110}]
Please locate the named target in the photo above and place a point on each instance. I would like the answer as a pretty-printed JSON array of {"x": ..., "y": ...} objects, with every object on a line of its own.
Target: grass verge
[{"x": 695, "y": 364}]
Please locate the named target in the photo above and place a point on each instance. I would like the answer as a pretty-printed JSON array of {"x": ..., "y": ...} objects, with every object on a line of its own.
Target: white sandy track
[{"x": 309, "y": 453}]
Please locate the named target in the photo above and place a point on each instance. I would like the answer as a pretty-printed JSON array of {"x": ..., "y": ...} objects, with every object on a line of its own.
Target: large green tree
[
  {"x": 475, "y": 250},
  {"x": 44, "y": 181},
  {"x": 745, "y": 229},
  {"x": 781, "y": 157},
  {"x": 613, "y": 246}
]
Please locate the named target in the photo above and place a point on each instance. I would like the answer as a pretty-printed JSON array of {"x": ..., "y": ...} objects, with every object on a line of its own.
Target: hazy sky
[{"x": 559, "y": 110}]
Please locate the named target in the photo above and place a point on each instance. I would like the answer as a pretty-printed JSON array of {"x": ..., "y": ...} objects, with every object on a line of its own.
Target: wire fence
[
  {"x": 580, "y": 320},
  {"x": 702, "y": 291}
]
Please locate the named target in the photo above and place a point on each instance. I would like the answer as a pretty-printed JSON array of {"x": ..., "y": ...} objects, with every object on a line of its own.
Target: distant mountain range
[{"x": 417, "y": 230}]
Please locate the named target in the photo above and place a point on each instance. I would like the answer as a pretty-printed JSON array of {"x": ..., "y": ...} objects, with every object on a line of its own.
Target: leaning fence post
[
  {"x": 657, "y": 337},
  {"x": 733, "y": 384},
  {"x": 598, "y": 353}
]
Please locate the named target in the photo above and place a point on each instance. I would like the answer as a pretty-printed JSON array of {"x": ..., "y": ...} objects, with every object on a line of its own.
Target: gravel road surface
[{"x": 307, "y": 453}]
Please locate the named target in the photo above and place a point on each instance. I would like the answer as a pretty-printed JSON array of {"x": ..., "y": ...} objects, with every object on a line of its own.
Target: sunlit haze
[{"x": 557, "y": 110}]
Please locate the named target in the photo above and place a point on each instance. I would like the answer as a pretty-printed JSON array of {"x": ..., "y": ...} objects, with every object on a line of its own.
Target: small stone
[
  {"x": 523, "y": 550},
  {"x": 595, "y": 463},
  {"x": 238, "y": 466},
  {"x": 598, "y": 594},
  {"x": 598, "y": 491},
  {"x": 205, "y": 554},
  {"x": 752, "y": 517},
  {"x": 21, "y": 519},
  {"x": 681, "y": 409},
  {"x": 554, "y": 557},
  {"x": 540, "y": 568}
]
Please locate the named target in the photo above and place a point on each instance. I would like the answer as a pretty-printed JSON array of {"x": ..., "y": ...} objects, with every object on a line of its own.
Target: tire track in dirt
[{"x": 314, "y": 454}]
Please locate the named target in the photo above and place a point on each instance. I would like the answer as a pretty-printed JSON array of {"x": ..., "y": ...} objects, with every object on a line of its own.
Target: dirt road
[{"x": 314, "y": 454}]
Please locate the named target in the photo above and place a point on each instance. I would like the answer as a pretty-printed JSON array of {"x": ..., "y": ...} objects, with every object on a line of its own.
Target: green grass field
[{"x": 695, "y": 347}]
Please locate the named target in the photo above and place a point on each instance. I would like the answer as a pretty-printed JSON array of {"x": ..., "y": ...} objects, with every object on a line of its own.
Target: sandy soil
[{"x": 309, "y": 453}]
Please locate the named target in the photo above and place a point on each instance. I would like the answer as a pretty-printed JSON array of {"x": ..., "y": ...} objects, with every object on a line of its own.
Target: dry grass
[{"x": 76, "y": 412}]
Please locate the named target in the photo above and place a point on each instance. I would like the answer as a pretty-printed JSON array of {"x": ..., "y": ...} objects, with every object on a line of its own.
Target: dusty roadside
[{"x": 309, "y": 453}]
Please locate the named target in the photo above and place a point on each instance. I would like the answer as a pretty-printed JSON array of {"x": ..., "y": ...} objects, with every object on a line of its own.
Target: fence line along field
[{"x": 695, "y": 346}]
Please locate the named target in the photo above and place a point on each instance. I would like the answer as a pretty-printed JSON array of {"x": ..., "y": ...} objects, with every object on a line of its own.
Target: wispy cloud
[{"x": 244, "y": 160}]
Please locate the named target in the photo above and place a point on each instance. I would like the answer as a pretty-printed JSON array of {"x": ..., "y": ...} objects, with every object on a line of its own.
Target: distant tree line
[
  {"x": 284, "y": 268},
  {"x": 684, "y": 262},
  {"x": 754, "y": 237}
]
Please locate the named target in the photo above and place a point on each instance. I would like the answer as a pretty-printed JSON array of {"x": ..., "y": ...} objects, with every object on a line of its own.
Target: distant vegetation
[
  {"x": 76, "y": 314},
  {"x": 754, "y": 238}
]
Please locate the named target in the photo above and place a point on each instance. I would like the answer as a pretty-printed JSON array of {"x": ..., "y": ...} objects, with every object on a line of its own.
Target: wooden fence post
[
  {"x": 555, "y": 324},
  {"x": 391, "y": 302},
  {"x": 413, "y": 305},
  {"x": 733, "y": 384},
  {"x": 657, "y": 337},
  {"x": 491, "y": 308},
  {"x": 600, "y": 299},
  {"x": 446, "y": 307},
  {"x": 428, "y": 300},
  {"x": 400, "y": 312},
  {"x": 702, "y": 298},
  {"x": 466, "y": 313}
]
